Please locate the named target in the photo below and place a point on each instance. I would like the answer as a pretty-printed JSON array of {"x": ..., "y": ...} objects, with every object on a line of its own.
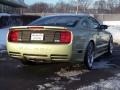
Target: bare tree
[
  {"x": 39, "y": 7},
  {"x": 101, "y": 6},
  {"x": 81, "y": 5},
  {"x": 107, "y": 6},
  {"x": 62, "y": 7},
  {"x": 112, "y": 4}
]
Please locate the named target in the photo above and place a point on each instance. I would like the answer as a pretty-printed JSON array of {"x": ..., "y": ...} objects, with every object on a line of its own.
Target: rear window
[{"x": 68, "y": 21}]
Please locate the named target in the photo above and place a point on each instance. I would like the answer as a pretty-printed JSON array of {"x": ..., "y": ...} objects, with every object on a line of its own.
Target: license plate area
[{"x": 37, "y": 36}]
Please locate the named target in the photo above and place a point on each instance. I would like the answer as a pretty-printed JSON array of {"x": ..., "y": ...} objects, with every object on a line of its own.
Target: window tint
[
  {"x": 69, "y": 21},
  {"x": 93, "y": 23},
  {"x": 85, "y": 24}
]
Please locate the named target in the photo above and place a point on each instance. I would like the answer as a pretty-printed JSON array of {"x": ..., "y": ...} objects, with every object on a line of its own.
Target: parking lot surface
[{"x": 56, "y": 76}]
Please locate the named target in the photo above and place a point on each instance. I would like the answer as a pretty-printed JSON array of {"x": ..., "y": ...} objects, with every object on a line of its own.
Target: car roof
[{"x": 74, "y": 15}]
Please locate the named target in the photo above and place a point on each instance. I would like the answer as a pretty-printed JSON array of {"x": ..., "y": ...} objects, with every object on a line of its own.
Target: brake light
[
  {"x": 13, "y": 36},
  {"x": 65, "y": 37}
]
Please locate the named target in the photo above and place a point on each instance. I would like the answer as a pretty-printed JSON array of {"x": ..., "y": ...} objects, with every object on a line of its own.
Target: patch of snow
[
  {"x": 72, "y": 75},
  {"x": 118, "y": 75},
  {"x": 4, "y": 14},
  {"x": 56, "y": 88},
  {"x": 56, "y": 83},
  {"x": 3, "y": 37},
  {"x": 115, "y": 23},
  {"x": 40, "y": 87},
  {"x": 110, "y": 84},
  {"x": 49, "y": 86},
  {"x": 74, "y": 78},
  {"x": 115, "y": 31},
  {"x": 64, "y": 73}
]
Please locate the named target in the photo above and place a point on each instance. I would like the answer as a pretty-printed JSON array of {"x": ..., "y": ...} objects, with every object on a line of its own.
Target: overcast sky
[{"x": 29, "y": 2}]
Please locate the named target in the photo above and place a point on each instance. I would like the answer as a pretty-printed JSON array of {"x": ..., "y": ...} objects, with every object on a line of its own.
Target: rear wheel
[{"x": 89, "y": 56}]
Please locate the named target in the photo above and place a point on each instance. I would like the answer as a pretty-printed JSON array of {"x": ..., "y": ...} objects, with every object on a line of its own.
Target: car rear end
[{"x": 40, "y": 43}]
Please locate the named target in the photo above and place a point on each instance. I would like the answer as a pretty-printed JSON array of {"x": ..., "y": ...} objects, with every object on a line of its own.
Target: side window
[
  {"x": 93, "y": 23},
  {"x": 85, "y": 23}
]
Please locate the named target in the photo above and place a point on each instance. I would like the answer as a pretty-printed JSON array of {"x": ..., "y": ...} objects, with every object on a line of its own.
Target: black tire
[
  {"x": 110, "y": 47},
  {"x": 89, "y": 56}
]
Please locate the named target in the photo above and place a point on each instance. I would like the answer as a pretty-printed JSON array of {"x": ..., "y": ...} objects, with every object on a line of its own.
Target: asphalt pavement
[{"x": 55, "y": 76}]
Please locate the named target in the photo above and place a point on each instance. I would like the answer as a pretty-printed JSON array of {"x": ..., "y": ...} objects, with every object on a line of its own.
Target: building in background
[{"x": 12, "y": 6}]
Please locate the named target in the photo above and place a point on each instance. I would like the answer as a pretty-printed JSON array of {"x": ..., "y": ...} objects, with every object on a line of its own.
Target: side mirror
[{"x": 102, "y": 27}]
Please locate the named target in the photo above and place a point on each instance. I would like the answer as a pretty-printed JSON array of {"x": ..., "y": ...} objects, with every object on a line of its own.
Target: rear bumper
[{"x": 38, "y": 52}]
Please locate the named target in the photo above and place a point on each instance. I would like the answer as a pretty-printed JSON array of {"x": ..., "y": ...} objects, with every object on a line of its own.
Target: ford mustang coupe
[{"x": 60, "y": 38}]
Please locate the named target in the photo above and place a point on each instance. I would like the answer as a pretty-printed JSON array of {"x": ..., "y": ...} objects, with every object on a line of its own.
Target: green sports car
[{"x": 60, "y": 38}]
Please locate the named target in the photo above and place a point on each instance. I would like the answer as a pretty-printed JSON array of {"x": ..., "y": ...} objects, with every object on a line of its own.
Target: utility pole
[
  {"x": 77, "y": 6},
  {"x": 119, "y": 2}
]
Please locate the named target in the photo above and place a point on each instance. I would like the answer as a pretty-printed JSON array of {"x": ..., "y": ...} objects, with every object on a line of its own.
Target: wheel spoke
[
  {"x": 110, "y": 47},
  {"x": 90, "y": 55}
]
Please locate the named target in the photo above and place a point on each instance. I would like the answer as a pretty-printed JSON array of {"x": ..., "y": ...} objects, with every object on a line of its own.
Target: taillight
[
  {"x": 13, "y": 36},
  {"x": 65, "y": 37}
]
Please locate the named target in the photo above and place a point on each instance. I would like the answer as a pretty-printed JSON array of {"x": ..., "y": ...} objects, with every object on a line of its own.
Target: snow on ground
[
  {"x": 115, "y": 23},
  {"x": 74, "y": 75},
  {"x": 115, "y": 31},
  {"x": 4, "y": 14},
  {"x": 71, "y": 74},
  {"x": 64, "y": 73},
  {"x": 3, "y": 35},
  {"x": 49, "y": 86},
  {"x": 112, "y": 83},
  {"x": 58, "y": 83}
]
